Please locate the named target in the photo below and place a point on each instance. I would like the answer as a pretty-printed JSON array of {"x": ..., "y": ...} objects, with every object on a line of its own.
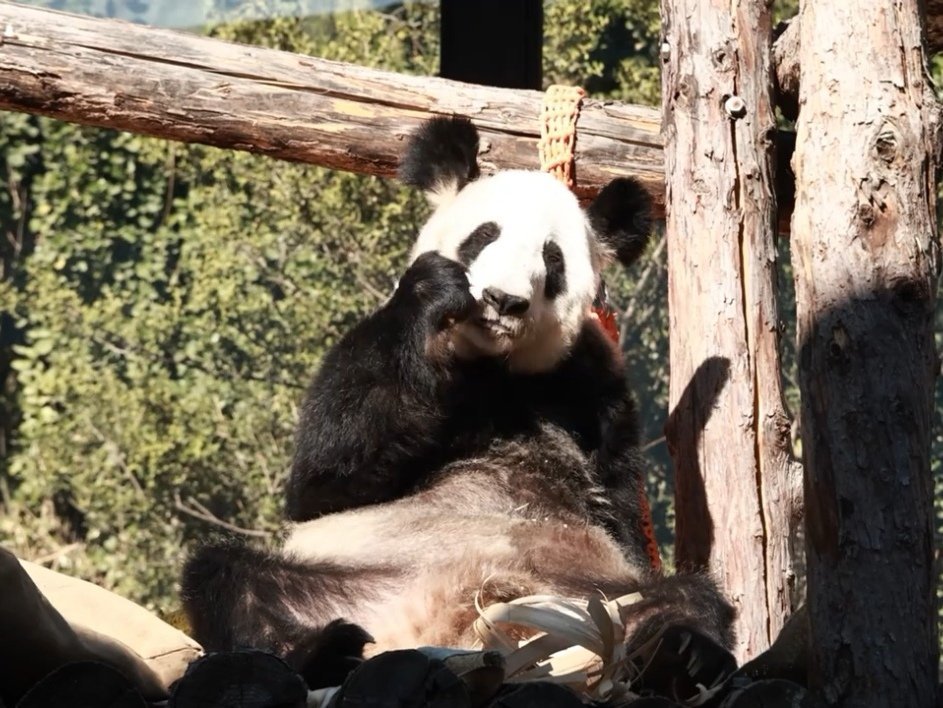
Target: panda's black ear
[
  {"x": 441, "y": 157},
  {"x": 621, "y": 216}
]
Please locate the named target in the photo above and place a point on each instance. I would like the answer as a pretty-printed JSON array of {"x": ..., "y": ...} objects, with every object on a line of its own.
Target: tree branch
[{"x": 203, "y": 514}]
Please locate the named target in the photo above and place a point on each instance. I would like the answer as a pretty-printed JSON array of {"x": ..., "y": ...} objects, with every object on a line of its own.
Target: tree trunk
[
  {"x": 786, "y": 55},
  {"x": 737, "y": 488},
  {"x": 866, "y": 258}
]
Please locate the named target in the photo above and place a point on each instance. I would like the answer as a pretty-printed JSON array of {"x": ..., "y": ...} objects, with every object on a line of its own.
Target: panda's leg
[
  {"x": 679, "y": 635},
  {"x": 371, "y": 419},
  {"x": 236, "y": 596}
]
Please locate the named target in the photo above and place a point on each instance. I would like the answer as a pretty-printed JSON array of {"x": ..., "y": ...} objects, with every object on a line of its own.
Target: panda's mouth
[
  {"x": 500, "y": 327},
  {"x": 495, "y": 326}
]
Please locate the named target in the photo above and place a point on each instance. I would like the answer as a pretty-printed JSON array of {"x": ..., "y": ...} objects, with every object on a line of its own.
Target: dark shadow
[
  {"x": 694, "y": 527},
  {"x": 868, "y": 369}
]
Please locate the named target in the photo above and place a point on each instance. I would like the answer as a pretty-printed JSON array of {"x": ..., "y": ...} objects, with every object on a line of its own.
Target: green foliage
[
  {"x": 607, "y": 46},
  {"x": 175, "y": 304}
]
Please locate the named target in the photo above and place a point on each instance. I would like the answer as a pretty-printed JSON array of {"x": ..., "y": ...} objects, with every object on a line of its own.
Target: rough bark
[
  {"x": 737, "y": 488},
  {"x": 786, "y": 56},
  {"x": 866, "y": 258},
  {"x": 183, "y": 87}
]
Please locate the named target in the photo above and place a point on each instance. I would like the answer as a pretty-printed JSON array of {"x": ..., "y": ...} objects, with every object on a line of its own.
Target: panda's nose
[{"x": 504, "y": 303}]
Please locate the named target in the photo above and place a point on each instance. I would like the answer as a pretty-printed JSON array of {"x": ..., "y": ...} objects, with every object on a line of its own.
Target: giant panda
[{"x": 475, "y": 434}]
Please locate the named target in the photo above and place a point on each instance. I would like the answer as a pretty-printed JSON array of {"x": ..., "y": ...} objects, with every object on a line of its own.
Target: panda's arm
[
  {"x": 598, "y": 375},
  {"x": 620, "y": 467},
  {"x": 370, "y": 423}
]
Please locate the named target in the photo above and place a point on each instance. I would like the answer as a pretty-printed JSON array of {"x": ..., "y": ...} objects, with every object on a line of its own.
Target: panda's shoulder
[{"x": 593, "y": 356}]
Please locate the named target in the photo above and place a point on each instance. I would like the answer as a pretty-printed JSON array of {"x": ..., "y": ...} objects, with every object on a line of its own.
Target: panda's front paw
[{"x": 440, "y": 287}]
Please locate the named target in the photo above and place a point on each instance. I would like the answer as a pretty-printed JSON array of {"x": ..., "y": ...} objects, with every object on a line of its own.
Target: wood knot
[
  {"x": 877, "y": 211},
  {"x": 721, "y": 58},
  {"x": 838, "y": 344},
  {"x": 886, "y": 144},
  {"x": 866, "y": 215}
]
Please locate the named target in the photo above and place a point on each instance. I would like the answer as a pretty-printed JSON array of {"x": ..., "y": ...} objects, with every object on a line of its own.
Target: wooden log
[
  {"x": 183, "y": 87},
  {"x": 866, "y": 257},
  {"x": 737, "y": 488}
]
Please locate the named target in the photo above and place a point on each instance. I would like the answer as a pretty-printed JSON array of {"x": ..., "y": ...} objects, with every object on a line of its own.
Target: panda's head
[{"x": 533, "y": 254}]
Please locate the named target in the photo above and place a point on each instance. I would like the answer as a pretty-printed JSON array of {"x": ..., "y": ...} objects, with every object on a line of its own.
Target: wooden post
[
  {"x": 737, "y": 488},
  {"x": 866, "y": 257},
  {"x": 492, "y": 42}
]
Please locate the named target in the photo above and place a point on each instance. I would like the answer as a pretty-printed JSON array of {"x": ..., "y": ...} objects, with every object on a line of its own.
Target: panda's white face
[{"x": 533, "y": 264}]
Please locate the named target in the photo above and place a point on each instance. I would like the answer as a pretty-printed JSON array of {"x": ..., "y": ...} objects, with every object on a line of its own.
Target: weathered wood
[
  {"x": 866, "y": 260},
  {"x": 786, "y": 56},
  {"x": 172, "y": 85},
  {"x": 737, "y": 488}
]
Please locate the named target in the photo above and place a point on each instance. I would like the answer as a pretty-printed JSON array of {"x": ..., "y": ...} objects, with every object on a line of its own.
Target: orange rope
[
  {"x": 561, "y": 108},
  {"x": 557, "y": 150}
]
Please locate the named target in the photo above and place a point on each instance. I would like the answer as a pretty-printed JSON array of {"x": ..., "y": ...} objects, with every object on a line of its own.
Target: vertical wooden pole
[
  {"x": 866, "y": 257},
  {"x": 728, "y": 433},
  {"x": 492, "y": 42}
]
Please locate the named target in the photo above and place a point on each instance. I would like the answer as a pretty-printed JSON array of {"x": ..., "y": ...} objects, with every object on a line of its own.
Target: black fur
[
  {"x": 381, "y": 416},
  {"x": 621, "y": 217},
  {"x": 325, "y": 658},
  {"x": 443, "y": 153},
  {"x": 555, "y": 264},
  {"x": 237, "y": 596},
  {"x": 372, "y": 421},
  {"x": 472, "y": 246}
]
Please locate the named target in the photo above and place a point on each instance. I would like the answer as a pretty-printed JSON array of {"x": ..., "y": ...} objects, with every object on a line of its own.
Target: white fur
[
  {"x": 531, "y": 208},
  {"x": 429, "y": 561}
]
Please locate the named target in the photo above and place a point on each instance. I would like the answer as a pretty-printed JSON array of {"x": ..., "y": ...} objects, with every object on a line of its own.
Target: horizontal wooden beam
[{"x": 173, "y": 85}]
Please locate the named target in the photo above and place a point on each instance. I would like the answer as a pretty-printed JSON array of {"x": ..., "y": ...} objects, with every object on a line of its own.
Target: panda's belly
[
  {"x": 399, "y": 535},
  {"x": 432, "y": 561}
]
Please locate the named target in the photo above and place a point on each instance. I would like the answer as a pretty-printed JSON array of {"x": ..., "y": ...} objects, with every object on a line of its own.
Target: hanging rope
[
  {"x": 557, "y": 149},
  {"x": 560, "y": 110}
]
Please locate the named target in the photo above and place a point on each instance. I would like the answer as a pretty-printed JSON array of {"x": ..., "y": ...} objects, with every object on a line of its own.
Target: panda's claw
[{"x": 684, "y": 661}]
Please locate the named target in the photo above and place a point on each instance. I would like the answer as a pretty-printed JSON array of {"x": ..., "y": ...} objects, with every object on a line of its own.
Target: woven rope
[{"x": 558, "y": 115}]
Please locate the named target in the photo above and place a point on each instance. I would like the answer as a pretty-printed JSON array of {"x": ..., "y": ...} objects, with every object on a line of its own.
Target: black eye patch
[
  {"x": 472, "y": 246},
  {"x": 555, "y": 282}
]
